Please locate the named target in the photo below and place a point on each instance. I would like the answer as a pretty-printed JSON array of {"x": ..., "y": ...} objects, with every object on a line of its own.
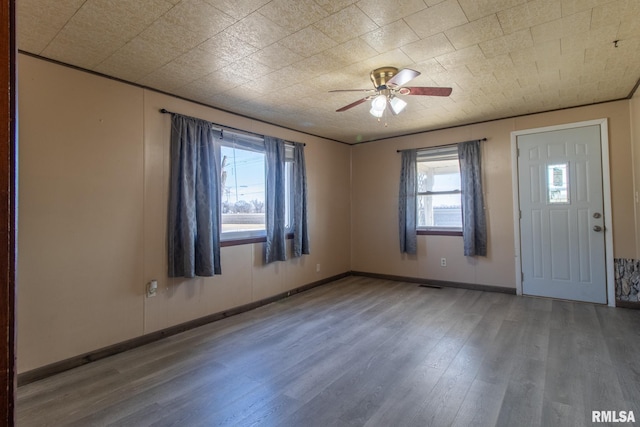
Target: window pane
[
  {"x": 557, "y": 183},
  {"x": 438, "y": 175},
  {"x": 441, "y": 210},
  {"x": 288, "y": 188},
  {"x": 243, "y": 190}
]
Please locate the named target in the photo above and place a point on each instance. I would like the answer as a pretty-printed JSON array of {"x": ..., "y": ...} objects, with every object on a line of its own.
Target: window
[
  {"x": 243, "y": 186},
  {"x": 439, "y": 206},
  {"x": 558, "y": 183},
  {"x": 243, "y": 192},
  {"x": 288, "y": 182}
]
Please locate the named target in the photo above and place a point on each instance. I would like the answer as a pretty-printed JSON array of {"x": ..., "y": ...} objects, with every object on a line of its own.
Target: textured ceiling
[{"x": 276, "y": 60}]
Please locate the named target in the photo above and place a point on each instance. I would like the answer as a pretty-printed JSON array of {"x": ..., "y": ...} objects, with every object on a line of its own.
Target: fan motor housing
[{"x": 380, "y": 76}]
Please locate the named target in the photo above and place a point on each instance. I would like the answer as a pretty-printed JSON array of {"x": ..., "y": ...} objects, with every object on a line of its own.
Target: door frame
[{"x": 606, "y": 195}]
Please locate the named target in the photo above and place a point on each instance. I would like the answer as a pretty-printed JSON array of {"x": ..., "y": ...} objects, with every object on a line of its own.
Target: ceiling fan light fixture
[
  {"x": 397, "y": 105},
  {"x": 387, "y": 83},
  {"x": 379, "y": 103},
  {"x": 376, "y": 113}
]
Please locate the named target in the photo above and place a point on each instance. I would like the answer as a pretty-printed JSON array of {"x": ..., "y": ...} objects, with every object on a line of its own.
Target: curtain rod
[
  {"x": 436, "y": 146},
  {"x": 165, "y": 111}
]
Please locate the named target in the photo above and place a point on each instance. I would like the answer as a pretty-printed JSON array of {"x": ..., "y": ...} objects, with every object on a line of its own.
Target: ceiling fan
[{"x": 389, "y": 83}]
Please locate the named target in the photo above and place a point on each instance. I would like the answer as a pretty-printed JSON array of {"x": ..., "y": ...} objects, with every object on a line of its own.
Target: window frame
[
  {"x": 431, "y": 154},
  {"x": 256, "y": 144},
  {"x": 288, "y": 179},
  {"x": 239, "y": 141}
]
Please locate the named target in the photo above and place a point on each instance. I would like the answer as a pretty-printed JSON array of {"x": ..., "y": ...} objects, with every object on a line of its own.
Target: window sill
[
  {"x": 238, "y": 242},
  {"x": 249, "y": 241},
  {"x": 439, "y": 233}
]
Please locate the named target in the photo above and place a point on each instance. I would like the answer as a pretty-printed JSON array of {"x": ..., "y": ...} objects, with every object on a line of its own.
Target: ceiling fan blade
[
  {"x": 352, "y": 90},
  {"x": 353, "y": 104},
  {"x": 429, "y": 91},
  {"x": 403, "y": 77}
]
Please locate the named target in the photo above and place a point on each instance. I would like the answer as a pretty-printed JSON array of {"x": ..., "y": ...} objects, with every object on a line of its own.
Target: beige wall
[
  {"x": 93, "y": 184},
  {"x": 93, "y": 194},
  {"x": 244, "y": 277},
  {"x": 376, "y": 171}
]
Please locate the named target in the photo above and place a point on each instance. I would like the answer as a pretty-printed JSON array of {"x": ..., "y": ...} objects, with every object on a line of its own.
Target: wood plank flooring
[{"x": 364, "y": 352}]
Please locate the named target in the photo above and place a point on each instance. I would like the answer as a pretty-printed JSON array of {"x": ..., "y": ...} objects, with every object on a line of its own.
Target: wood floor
[{"x": 369, "y": 352}]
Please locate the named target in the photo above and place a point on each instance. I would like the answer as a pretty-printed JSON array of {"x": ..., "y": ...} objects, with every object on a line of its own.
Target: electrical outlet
[
  {"x": 443, "y": 262},
  {"x": 152, "y": 288},
  {"x": 317, "y": 268}
]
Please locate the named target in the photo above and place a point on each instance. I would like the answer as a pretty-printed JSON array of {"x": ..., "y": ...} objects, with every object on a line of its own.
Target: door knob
[
  {"x": 597, "y": 215},
  {"x": 597, "y": 228}
]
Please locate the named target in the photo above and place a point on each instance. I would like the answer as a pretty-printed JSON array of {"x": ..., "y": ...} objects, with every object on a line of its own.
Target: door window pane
[{"x": 558, "y": 183}]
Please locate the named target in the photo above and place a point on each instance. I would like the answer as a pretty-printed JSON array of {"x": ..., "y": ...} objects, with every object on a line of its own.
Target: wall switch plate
[{"x": 152, "y": 288}]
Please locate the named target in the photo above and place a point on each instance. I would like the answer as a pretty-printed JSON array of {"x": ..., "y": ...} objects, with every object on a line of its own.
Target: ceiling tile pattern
[{"x": 276, "y": 60}]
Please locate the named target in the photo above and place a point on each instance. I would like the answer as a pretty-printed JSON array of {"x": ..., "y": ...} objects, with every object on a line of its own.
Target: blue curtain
[
  {"x": 194, "y": 195},
  {"x": 474, "y": 223},
  {"x": 299, "y": 200},
  {"x": 275, "y": 248},
  {"x": 407, "y": 202}
]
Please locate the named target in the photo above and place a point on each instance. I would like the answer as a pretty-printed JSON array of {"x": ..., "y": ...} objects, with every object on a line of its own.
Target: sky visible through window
[{"x": 244, "y": 176}]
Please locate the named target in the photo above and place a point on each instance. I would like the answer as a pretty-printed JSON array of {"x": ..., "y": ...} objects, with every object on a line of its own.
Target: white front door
[{"x": 562, "y": 236}]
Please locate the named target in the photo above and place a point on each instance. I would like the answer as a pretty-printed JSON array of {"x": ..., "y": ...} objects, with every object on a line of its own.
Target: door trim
[{"x": 606, "y": 194}]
